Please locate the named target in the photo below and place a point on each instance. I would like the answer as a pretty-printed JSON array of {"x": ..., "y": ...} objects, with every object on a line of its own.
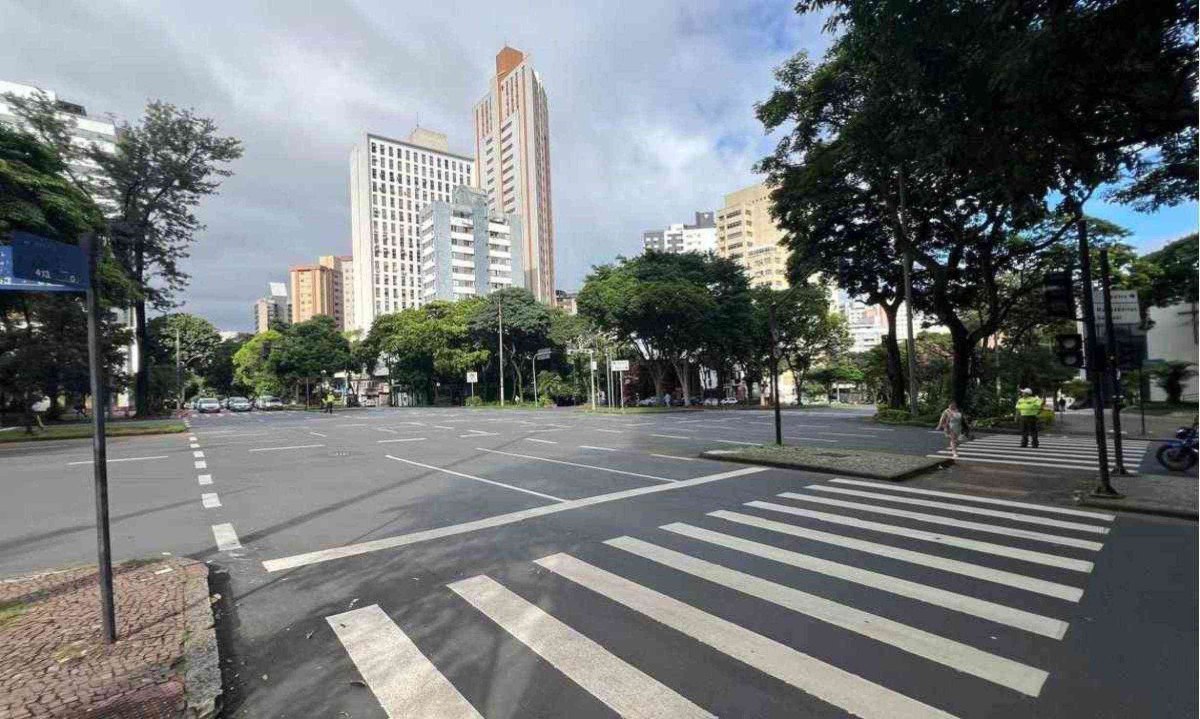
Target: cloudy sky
[{"x": 651, "y": 108}]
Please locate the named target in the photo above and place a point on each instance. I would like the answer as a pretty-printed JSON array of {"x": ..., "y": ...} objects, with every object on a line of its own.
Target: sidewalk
[
  {"x": 1158, "y": 426},
  {"x": 1166, "y": 495},
  {"x": 54, "y": 662}
]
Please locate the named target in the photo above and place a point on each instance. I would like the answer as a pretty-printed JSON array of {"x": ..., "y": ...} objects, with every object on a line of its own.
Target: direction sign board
[
  {"x": 9, "y": 283},
  {"x": 543, "y": 354},
  {"x": 39, "y": 258},
  {"x": 472, "y": 377},
  {"x": 620, "y": 365},
  {"x": 1124, "y": 306}
]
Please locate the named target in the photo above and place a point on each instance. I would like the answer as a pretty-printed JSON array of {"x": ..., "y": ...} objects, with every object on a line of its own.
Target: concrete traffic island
[
  {"x": 847, "y": 462},
  {"x": 56, "y": 664}
]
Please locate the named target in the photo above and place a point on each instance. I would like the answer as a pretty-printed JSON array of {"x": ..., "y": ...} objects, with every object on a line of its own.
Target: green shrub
[
  {"x": 473, "y": 402},
  {"x": 889, "y": 415}
]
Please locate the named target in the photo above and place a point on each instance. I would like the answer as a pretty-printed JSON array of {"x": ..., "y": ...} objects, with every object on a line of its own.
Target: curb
[
  {"x": 910, "y": 474},
  {"x": 201, "y": 663},
  {"x": 1160, "y": 510}
]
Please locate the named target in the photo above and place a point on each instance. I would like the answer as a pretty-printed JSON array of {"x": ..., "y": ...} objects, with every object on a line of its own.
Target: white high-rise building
[
  {"x": 468, "y": 250},
  {"x": 700, "y": 237},
  {"x": 512, "y": 161},
  {"x": 391, "y": 182}
]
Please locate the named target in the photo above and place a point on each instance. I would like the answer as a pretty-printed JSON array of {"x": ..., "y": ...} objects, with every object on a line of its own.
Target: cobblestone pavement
[{"x": 55, "y": 663}]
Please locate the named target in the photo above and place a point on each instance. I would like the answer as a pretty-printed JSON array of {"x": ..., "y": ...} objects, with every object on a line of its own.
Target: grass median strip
[{"x": 849, "y": 462}]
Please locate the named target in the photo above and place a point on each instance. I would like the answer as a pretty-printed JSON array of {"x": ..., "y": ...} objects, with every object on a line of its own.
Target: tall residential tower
[{"x": 512, "y": 161}]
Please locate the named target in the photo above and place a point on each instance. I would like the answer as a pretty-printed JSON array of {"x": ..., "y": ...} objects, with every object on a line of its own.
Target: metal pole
[
  {"x": 1111, "y": 348},
  {"x": 592, "y": 375},
  {"x": 500, "y": 320},
  {"x": 178, "y": 369},
  {"x": 1142, "y": 394},
  {"x": 775, "y": 375},
  {"x": 99, "y": 450},
  {"x": 533, "y": 360},
  {"x": 912, "y": 342},
  {"x": 1092, "y": 359},
  {"x": 621, "y": 385},
  {"x": 608, "y": 378}
]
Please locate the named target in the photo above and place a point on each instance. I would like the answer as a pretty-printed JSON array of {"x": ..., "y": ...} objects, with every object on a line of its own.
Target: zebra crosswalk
[
  {"x": 1055, "y": 452},
  {"x": 962, "y": 606}
]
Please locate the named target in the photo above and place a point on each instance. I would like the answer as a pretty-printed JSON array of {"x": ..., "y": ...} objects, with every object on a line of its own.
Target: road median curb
[{"x": 850, "y": 463}]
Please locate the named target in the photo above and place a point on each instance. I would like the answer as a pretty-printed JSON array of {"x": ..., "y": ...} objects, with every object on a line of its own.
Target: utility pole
[
  {"x": 775, "y": 375},
  {"x": 608, "y": 378},
  {"x": 1111, "y": 348},
  {"x": 99, "y": 449},
  {"x": 908, "y": 301},
  {"x": 533, "y": 361},
  {"x": 592, "y": 375},
  {"x": 1092, "y": 359},
  {"x": 500, "y": 322},
  {"x": 178, "y": 369}
]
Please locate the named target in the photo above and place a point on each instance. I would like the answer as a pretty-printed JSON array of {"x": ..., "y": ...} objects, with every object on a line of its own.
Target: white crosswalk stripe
[
  {"x": 1058, "y": 452},
  {"x": 731, "y": 556}
]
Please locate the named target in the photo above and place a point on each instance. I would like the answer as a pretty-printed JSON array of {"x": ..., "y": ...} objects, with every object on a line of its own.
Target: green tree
[
  {"x": 1171, "y": 376},
  {"x": 252, "y": 364},
  {"x": 309, "y": 351},
  {"x": 526, "y": 330},
  {"x": 219, "y": 371},
  {"x": 806, "y": 330},
  {"x": 422, "y": 347},
  {"x": 197, "y": 339}
]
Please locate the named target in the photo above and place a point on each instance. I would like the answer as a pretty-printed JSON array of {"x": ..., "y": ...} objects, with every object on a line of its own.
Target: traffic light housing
[
  {"x": 1058, "y": 295},
  {"x": 1069, "y": 348},
  {"x": 1130, "y": 353}
]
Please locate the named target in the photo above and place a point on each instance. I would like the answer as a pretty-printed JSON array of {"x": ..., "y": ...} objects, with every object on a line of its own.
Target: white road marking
[
  {"x": 1014, "y": 516},
  {"x": 318, "y": 434},
  {"x": 1000, "y": 550},
  {"x": 198, "y": 455},
  {"x": 477, "y": 433},
  {"x": 602, "y": 449},
  {"x": 1046, "y": 453},
  {"x": 950, "y": 522},
  {"x": 165, "y": 570},
  {"x": 402, "y": 439},
  {"x": 811, "y": 439},
  {"x": 618, "y": 685},
  {"x": 355, "y": 424},
  {"x": 732, "y": 441},
  {"x": 385, "y": 429},
  {"x": 441, "y": 426},
  {"x": 672, "y": 456},
  {"x": 610, "y": 431},
  {"x": 1057, "y": 465},
  {"x": 954, "y": 566},
  {"x": 276, "y": 449},
  {"x": 477, "y": 479},
  {"x": 226, "y": 538},
  {"x": 973, "y": 606},
  {"x": 405, "y": 683},
  {"x": 200, "y": 464},
  {"x": 1050, "y": 449},
  {"x": 844, "y": 690},
  {"x": 194, "y": 445},
  {"x": 210, "y": 500},
  {"x": 576, "y": 464},
  {"x": 191, "y": 437},
  {"x": 123, "y": 459},
  {"x": 542, "y": 441},
  {"x": 205, "y": 479},
  {"x": 974, "y": 498},
  {"x": 403, "y": 540},
  {"x": 947, "y": 652},
  {"x": 670, "y": 436}
]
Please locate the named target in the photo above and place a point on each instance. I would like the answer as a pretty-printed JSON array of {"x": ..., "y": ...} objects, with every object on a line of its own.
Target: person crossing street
[
  {"x": 1028, "y": 408},
  {"x": 329, "y": 399}
]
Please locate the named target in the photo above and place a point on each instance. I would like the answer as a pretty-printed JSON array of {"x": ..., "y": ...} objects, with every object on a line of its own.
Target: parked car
[
  {"x": 205, "y": 405},
  {"x": 729, "y": 400},
  {"x": 238, "y": 404},
  {"x": 267, "y": 401},
  {"x": 648, "y": 402},
  {"x": 370, "y": 402}
]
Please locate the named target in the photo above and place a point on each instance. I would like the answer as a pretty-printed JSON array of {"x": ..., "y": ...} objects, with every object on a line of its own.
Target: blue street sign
[{"x": 37, "y": 264}]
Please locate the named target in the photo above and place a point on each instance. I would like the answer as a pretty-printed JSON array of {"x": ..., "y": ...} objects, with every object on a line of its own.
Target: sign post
[
  {"x": 37, "y": 264},
  {"x": 621, "y": 367},
  {"x": 472, "y": 378},
  {"x": 542, "y": 354}
]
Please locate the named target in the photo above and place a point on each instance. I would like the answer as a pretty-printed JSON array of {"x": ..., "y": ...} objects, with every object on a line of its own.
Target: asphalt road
[{"x": 441, "y": 563}]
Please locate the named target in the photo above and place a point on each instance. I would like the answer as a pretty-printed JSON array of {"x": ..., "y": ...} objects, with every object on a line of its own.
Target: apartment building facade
[
  {"x": 272, "y": 309},
  {"x": 700, "y": 236},
  {"x": 339, "y": 267},
  {"x": 468, "y": 250},
  {"x": 747, "y": 234}
]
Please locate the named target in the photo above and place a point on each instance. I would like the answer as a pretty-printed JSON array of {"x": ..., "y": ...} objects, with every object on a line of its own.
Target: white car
[{"x": 208, "y": 404}]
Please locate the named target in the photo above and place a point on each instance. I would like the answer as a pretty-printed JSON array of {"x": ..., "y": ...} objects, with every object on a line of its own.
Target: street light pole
[
  {"x": 1110, "y": 348},
  {"x": 178, "y": 369},
  {"x": 500, "y": 321},
  {"x": 775, "y": 374}
]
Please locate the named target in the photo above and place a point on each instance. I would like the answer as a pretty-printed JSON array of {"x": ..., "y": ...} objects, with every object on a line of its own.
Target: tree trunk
[
  {"x": 895, "y": 365},
  {"x": 681, "y": 373},
  {"x": 960, "y": 372},
  {"x": 658, "y": 375}
]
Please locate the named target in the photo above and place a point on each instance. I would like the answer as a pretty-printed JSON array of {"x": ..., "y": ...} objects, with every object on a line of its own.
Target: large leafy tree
[
  {"x": 252, "y": 364},
  {"x": 180, "y": 347},
  {"x": 422, "y": 347},
  {"x": 43, "y": 337},
  {"x": 218, "y": 373},
  {"x": 807, "y": 331},
  {"x": 308, "y": 351},
  {"x": 979, "y": 132},
  {"x": 527, "y": 325}
]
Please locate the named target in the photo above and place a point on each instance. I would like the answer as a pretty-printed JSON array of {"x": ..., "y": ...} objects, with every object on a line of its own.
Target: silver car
[{"x": 208, "y": 404}]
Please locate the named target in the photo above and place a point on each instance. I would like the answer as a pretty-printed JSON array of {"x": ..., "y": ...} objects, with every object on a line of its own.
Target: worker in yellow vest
[{"x": 1028, "y": 408}]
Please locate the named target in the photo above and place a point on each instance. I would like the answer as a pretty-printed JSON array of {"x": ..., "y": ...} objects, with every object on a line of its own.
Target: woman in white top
[{"x": 952, "y": 424}]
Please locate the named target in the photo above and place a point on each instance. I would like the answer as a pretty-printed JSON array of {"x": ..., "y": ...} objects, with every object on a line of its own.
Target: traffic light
[
  {"x": 1058, "y": 295},
  {"x": 1069, "y": 348},
  {"x": 1130, "y": 352}
]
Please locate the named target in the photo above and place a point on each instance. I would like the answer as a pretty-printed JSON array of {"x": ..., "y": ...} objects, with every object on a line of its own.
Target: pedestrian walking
[
  {"x": 1028, "y": 408},
  {"x": 952, "y": 423}
]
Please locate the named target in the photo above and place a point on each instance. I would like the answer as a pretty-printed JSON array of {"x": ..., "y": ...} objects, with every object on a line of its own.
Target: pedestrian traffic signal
[
  {"x": 1058, "y": 295},
  {"x": 1130, "y": 352},
  {"x": 1069, "y": 348}
]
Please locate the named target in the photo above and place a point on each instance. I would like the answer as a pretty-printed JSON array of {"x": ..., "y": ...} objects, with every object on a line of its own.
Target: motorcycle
[{"x": 1179, "y": 454}]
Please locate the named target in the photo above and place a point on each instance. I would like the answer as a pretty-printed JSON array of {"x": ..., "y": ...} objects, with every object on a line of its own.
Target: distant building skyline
[
  {"x": 272, "y": 308},
  {"x": 467, "y": 250},
  {"x": 699, "y": 236},
  {"x": 748, "y": 235}
]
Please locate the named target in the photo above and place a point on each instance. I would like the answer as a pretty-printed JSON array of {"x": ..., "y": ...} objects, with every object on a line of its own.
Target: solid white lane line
[
  {"x": 672, "y": 456},
  {"x": 198, "y": 455},
  {"x": 210, "y": 500},
  {"x": 950, "y": 522},
  {"x": 402, "y": 439},
  {"x": 947, "y": 652},
  {"x": 1002, "y": 514},
  {"x": 670, "y": 436},
  {"x": 385, "y": 429},
  {"x": 1000, "y": 550},
  {"x": 972, "y": 606},
  {"x": 838, "y": 687},
  {"x": 540, "y": 441},
  {"x": 205, "y": 479},
  {"x": 477, "y": 479},
  {"x": 974, "y": 498},
  {"x": 200, "y": 464},
  {"x": 610, "y": 431},
  {"x": 477, "y": 433},
  {"x": 577, "y": 464},
  {"x": 954, "y": 566},
  {"x": 225, "y": 536},
  {"x": 318, "y": 434},
  {"x": 441, "y": 426},
  {"x": 602, "y": 449},
  {"x": 621, "y": 687},
  {"x": 123, "y": 459},
  {"x": 405, "y": 683},
  {"x": 276, "y": 449},
  {"x": 403, "y": 540},
  {"x": 356, "y": 424},
  {"x": 812, "y": 439},
  {"x": 988, "y": 459}
]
